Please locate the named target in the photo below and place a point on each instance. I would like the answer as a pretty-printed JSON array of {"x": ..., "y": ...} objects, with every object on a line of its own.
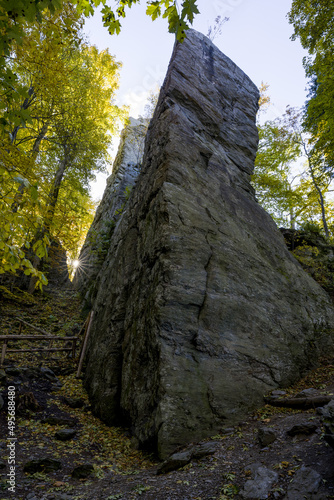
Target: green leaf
[
  {"x": 25, "y": 116},
  {"x": 34, "y": 192},
  {"x": 120, "y": 12},
  {"x": 189, "y": 9},
  {"x": 181, "y": 31},
  {"x": 153, "y": 10},
  {"x": 114, "y": 27}
]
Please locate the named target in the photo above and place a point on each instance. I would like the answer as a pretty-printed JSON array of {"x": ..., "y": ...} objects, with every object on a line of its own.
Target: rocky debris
[
  {"x": 125, "y": 171},
  {"x": 175, "y": 461},
  {"x": 182, "y": 458},
  {"x": 83, "y": 471},
  {"x": 42, "y": 465},
  {"x": 200, "y": 309},
  {"x": 227, "y": 430},
  {"x": 309, "y": 392},
  {"x": 74, "y": 402},
  {"x": 53, "y": 420},
  {"x": 65, "y": 434},
  {"x": 303, "y": 428},
  {"x": 305, "y": 484},
  {"x": 277, "y": 393},
  {"x": 27, "y": 401},
  {"x": 3, "y": 376},
  {"x": 31, "y": 496},
  {"x": 204, "y": 449},
  {"x": 327, "y": 413},
  {"x": 51, "y": 496},
  {"x": 28, "y": 373},
  {"x": 13, "y": 371},
  {"x": 259, "y": 487},
  {"x": 266, "y": 436},
  {"x": 49, "y": 374}
]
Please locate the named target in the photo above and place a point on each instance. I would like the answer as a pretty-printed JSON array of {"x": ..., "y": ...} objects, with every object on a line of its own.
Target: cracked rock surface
[
  {"x": 200, "y": 309},
  {"x": 125, "y": 171}
]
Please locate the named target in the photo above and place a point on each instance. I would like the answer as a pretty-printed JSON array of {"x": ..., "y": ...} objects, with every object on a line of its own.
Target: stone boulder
[
  {"x": 125, "y": 171},
  {"x": 314, "y": 253},
  {"x": 327, "y": 413},
  {"x": 201, "y": 309}
]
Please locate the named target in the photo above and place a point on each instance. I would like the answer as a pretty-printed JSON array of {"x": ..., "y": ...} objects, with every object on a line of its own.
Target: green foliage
[
  {"x": 291, "y": 195},
  {"x": 273, "y": 178},
  {"x": 104, "y": 240},
  {"x": 127, "y": 192},
  {"x": 48, "y": 162},
  {"x": 313, "y": 25},
  {"x": 317, "y": 262},
  {"x": 228, "y": 490},
  {"x": 18, "y": 226},
  {"x": 178, "y": 21},
  {"x": 310, "y": 227},
  {"x": 140, "y": 489},
  {"x": 17, "y": 16}
]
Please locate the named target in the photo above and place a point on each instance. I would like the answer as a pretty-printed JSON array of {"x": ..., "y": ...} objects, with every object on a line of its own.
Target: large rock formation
[
  {"x": 125, "y": 171},
  {"x": 201, "y": 309}
]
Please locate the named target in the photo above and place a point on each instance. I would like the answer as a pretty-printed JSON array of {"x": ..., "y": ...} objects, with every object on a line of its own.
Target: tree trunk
[
  {"x": 50, "y": 211},
  {"x": 292, "y": 219},
  {"x": 315, "y": 184},
  {"x": 321, "y": 202},
  {"x": 54, "y": 192},
  {"x": 299, "y": 403},
  {"x": 26, "y": 103},
  {"x": 35, "y": 151}
]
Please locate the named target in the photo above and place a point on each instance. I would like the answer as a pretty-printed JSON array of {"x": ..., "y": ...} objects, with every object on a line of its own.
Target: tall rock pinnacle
[{"x": 201, "y": 309}]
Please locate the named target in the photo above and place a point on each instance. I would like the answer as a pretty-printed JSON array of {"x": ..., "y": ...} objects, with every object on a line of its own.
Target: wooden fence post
[
  {"x": 84, "y": 345},
  {"x": 3, "y": 353}
]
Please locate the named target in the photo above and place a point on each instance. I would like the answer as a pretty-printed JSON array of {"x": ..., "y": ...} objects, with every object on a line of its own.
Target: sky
[{"x": 256, "y": 38}]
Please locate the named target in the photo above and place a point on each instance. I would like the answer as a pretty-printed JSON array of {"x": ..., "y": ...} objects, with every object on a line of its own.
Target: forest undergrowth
[{"x": 49, "y": 402}]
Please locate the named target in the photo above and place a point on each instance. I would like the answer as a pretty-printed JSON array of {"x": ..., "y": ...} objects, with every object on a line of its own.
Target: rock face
[
  {"x": 314, "y": 253},
  {"x": 201, "y": 309},
  {"x": 119, "y": 184}
]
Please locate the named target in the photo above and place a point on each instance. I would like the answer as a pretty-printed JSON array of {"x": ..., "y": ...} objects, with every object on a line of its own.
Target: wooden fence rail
[
  {"x": 46, "y": 336},
  {"x": 7, "y": 338}
]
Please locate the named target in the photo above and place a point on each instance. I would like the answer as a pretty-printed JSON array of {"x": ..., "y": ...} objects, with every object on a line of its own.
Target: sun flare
[{"x": 75, "y": 264}]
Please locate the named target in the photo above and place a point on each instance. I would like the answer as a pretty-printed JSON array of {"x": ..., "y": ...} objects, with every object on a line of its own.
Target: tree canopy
[
  {"x": 289, "y": 183},
  {"x": 49, "y": 156},
  {"x": 313, "y": 24},
  {"x": 304, "y": 136}
]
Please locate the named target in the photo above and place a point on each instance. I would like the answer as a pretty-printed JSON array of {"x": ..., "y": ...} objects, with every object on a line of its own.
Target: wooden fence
[{"x": 50, "y": 338}]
